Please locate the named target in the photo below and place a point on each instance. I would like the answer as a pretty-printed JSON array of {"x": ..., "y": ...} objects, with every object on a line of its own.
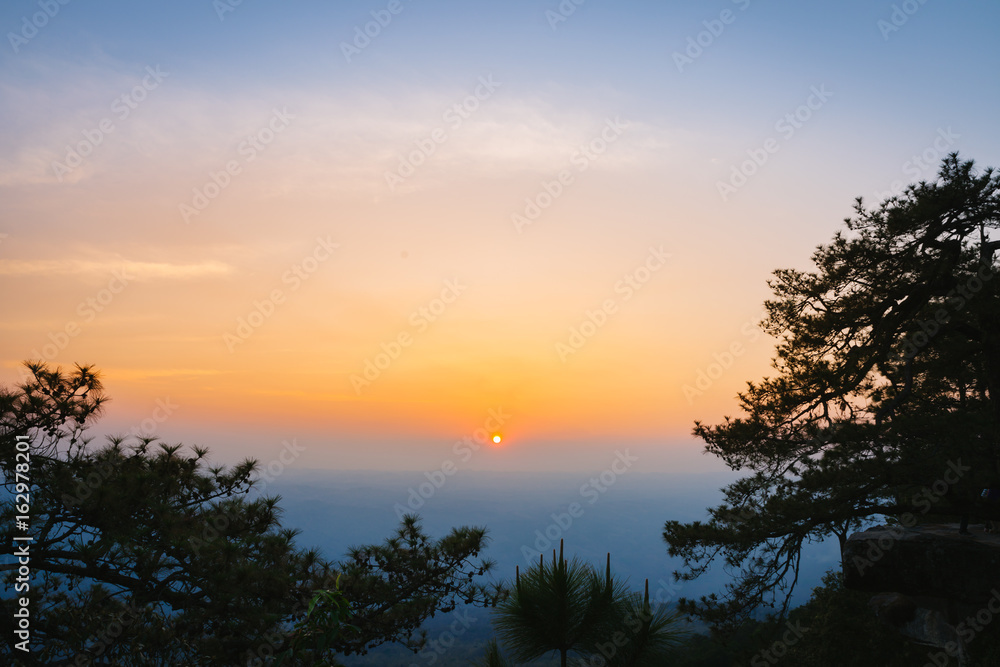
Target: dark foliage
[
  {"x": 144, "y": 555},
  {"x": 887, "y": 373}
]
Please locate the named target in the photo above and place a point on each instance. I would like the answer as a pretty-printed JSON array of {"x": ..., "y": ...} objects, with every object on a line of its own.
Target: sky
[{"x": 369, "y": 235}]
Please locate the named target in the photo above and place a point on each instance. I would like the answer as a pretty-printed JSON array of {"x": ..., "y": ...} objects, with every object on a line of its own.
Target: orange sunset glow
[{"x": 371, "y": 251}]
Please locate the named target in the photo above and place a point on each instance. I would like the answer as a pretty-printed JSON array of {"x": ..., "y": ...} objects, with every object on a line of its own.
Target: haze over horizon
[{"x": 357, "y": 233}]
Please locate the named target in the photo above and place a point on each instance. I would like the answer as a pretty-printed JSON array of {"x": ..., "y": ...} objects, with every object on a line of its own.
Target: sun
[{"x": 497, "y": 439}]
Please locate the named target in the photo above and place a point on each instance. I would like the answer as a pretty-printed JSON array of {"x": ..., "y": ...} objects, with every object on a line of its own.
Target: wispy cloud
[
  {"x": 134, "y": 270},
  {"x": 150, "y": 373},
  {"x": 343, "y": 142}
]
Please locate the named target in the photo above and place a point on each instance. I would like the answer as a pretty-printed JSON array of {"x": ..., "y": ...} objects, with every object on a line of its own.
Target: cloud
[
  {"x": 502, "y": 138},
  {"x": 340, "y": 142},
  {"x": 134, "y": 270},
  {"x": 152, "y": 373}
]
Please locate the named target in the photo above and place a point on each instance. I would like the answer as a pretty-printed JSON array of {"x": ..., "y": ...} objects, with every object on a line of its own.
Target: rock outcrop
[
  {"x": 934, "y": 585},
  {"x": 924, "y": 560}
]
